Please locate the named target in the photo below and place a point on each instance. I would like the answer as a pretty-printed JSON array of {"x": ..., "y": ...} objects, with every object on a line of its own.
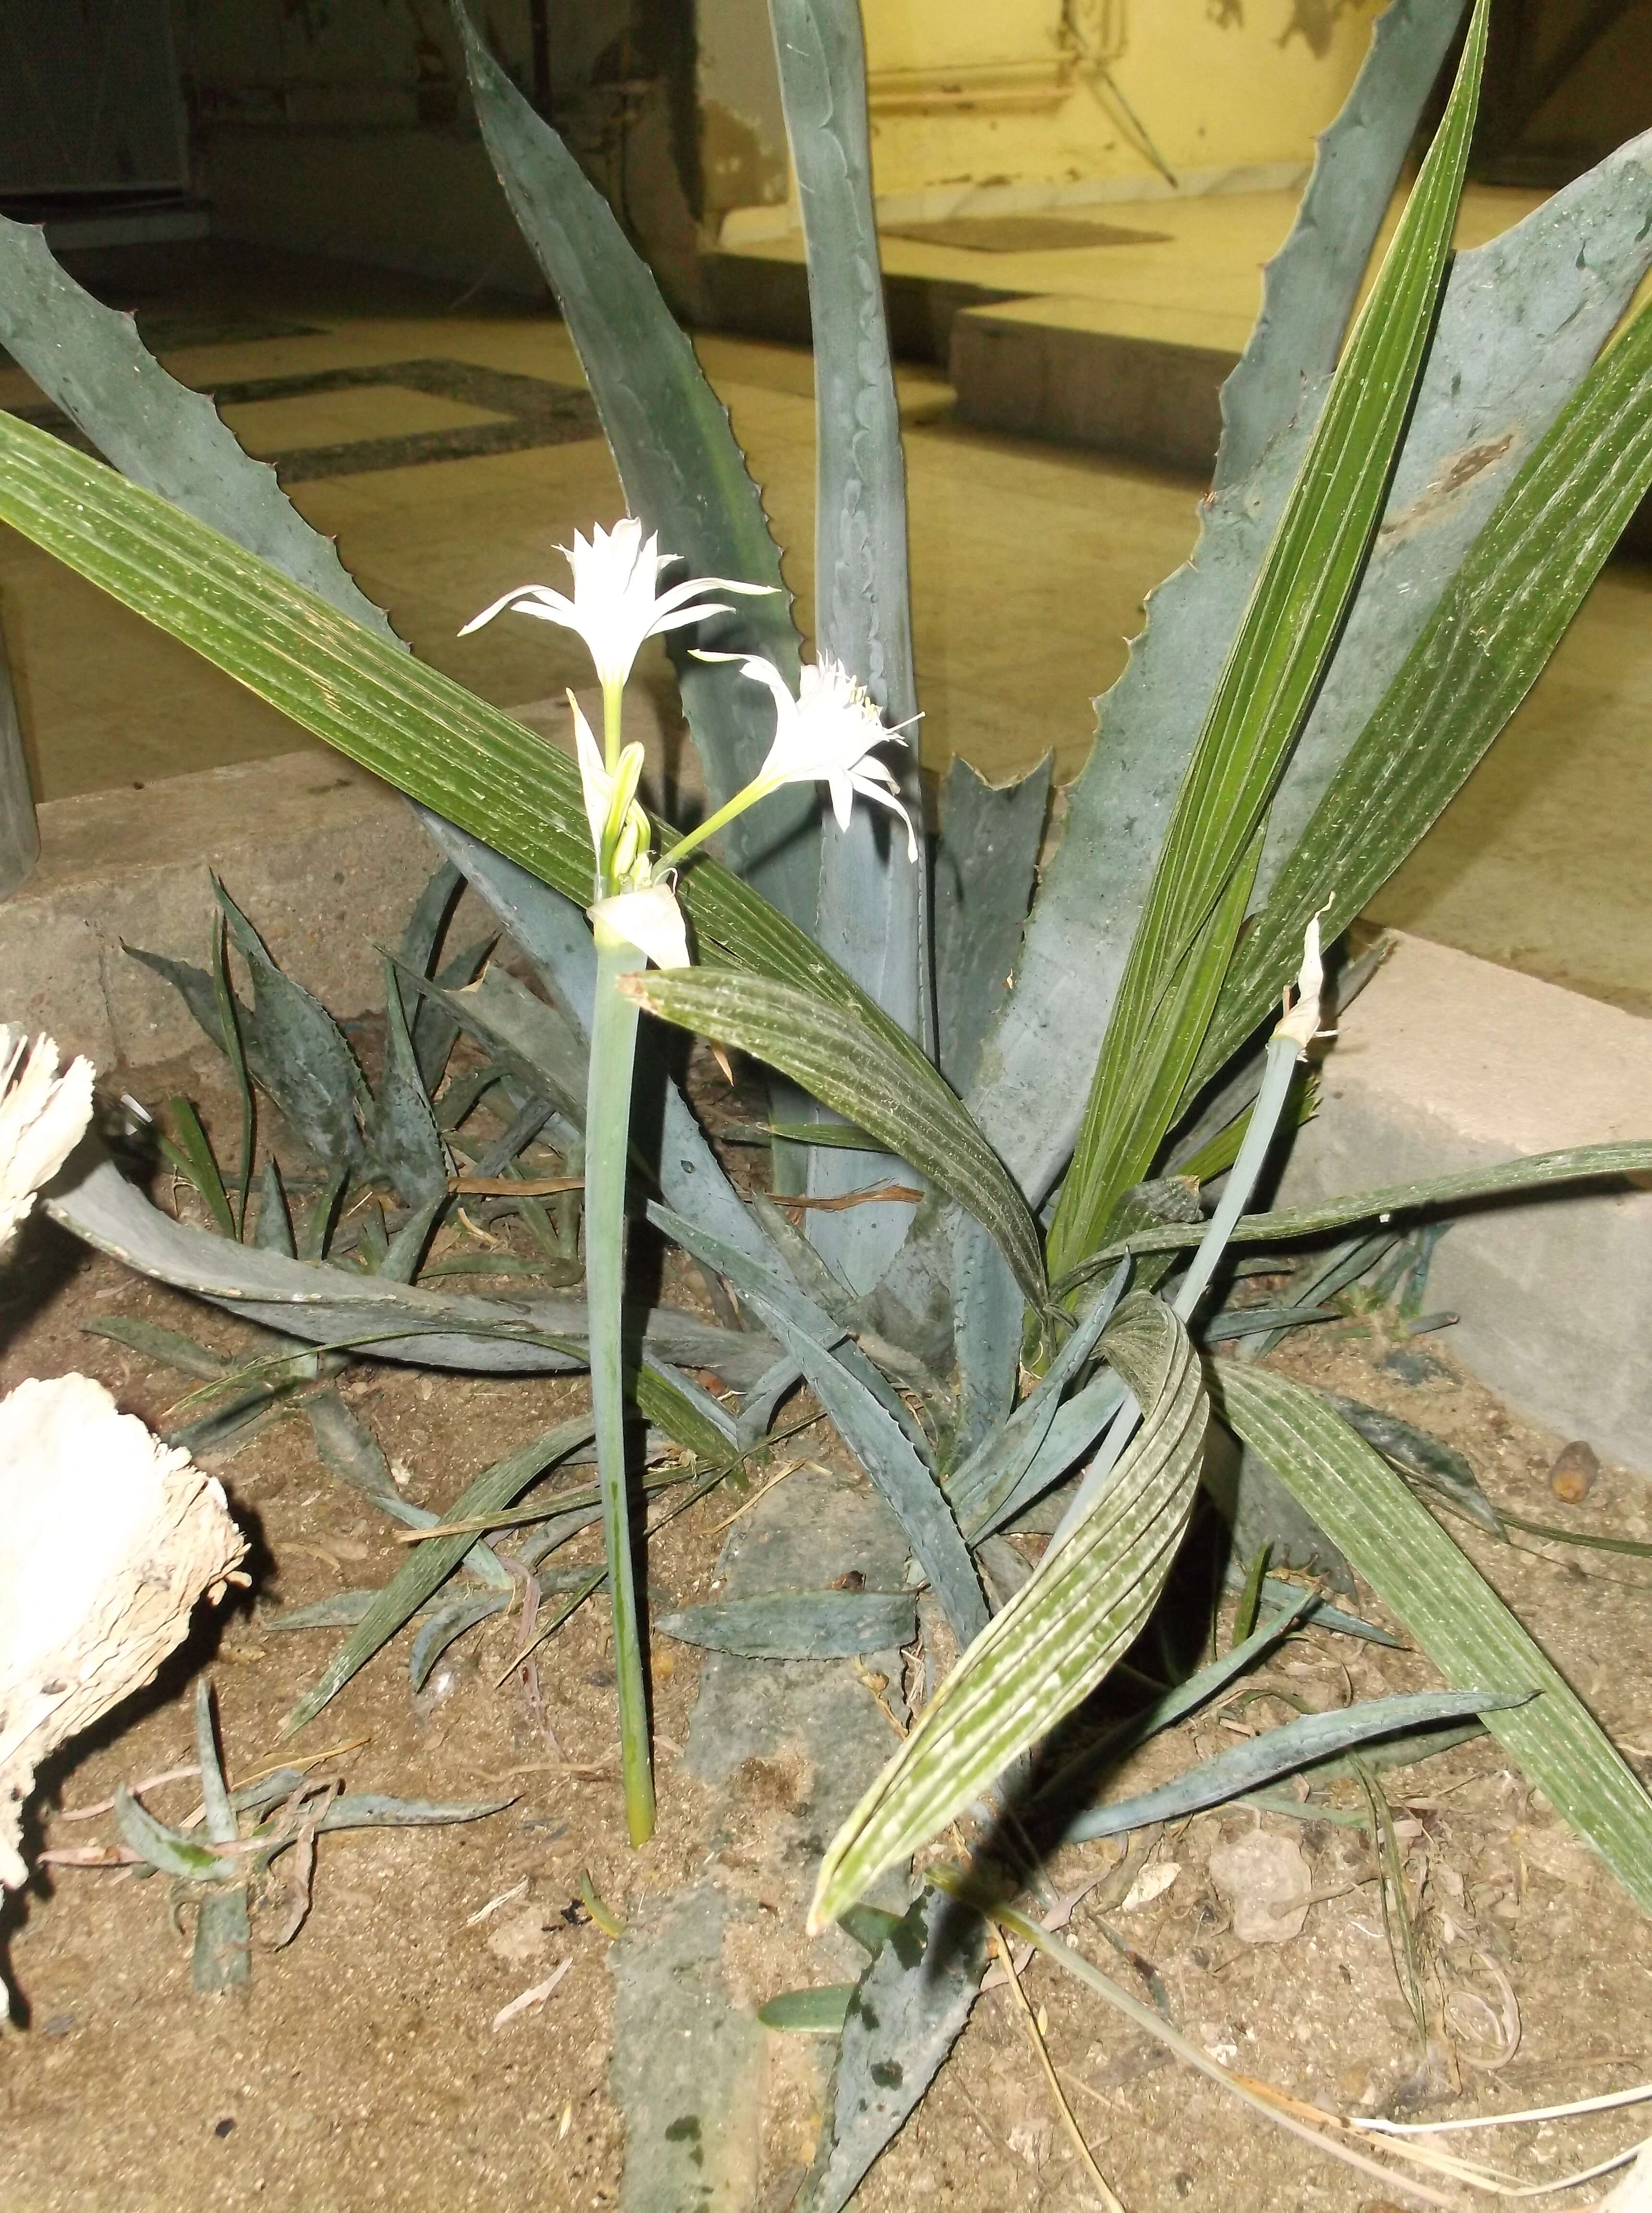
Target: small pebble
[{"x": 1572, "y": 1477}]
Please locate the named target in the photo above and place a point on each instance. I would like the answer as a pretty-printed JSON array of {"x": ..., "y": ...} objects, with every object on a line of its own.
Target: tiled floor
[{"x": 450, "y": 452}]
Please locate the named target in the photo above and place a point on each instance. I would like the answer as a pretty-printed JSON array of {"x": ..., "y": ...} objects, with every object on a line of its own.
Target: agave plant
[{"x": 1409, "y": 507}]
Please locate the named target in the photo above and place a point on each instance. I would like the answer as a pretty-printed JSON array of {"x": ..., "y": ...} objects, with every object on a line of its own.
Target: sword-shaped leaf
[
  {"x": 1180, "y": 949},
  {"x": 1451, "y": 1611},
  {"x": 1061, "y": 1633},
  {"x": 1505, "y": 610},
  {"x": 894, "y": 1095}
]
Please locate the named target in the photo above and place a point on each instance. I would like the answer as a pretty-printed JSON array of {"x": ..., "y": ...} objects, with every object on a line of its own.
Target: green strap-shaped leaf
[
  {"x": 1451, "y": 1611},
  {"x": 1061, "y": 1633},
  {"x": 683, "y": 473},
  {"x": 1503, "y": 616},
  {"x": 361, "y": 693},
  {"x": 1284, "y": 644},
  {"x": 895, "y": 1096},
  {"x": 1310, "y": 285},
  {"x": 90, "y": 360},
  {"x": 1532, "y": 1171}
]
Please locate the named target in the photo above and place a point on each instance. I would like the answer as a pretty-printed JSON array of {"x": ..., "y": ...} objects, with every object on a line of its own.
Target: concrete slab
[
  {"x": 325, "y": 859},
  {"x": 1135, "y": 377},
  {"x": 1445, "y": 1063}
]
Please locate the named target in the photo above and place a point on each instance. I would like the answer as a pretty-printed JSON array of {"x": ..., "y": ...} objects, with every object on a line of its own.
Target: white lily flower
[
  {"x": 43, "y": 1116},
  {"x": 826, "y": 735},
  {"x": 649, "y": 919},
  {"x": 617, "y": 603}
]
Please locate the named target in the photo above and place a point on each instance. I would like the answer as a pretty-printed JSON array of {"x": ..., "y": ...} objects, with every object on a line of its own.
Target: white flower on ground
[
  {"x": 43, "y": 1116},
  {"x": 649, "y": 919},
  {"x": 617, "y": 603},
  {"x": 826, "y": 735}
]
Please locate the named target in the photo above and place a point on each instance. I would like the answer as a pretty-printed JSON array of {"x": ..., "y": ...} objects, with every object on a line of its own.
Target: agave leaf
[
  {"x": 905, "y": 2017},
  {"x": 196, "y": 988},
  {"x": 1286, "y": 1751},
  {"x": 428, "y": 1565},
  {"x": 1186, "y": 1698},
  {"x": 1310, "y": 285},
  {"x": 168, "y": 1851},
  {"x": 985, "y": 860},
  {"x": 871, "y": 912},
  {"x": 988, "y": 1310},
  {"x": 898, "y": 1097},
  {"x": 538, "y": 1335},
  {"x": 1502, "y": 617},
  {"x": 1079, "y": 1421},
  {"x": 304, "y": 1064},
  {"x": 402, "y": 1134},
  {"x": 434, "y": 1031},
  {"x": 798, "y": 1624},
  {"x": 222, "y": 1954},
  {"x": 274, "y": 1230},
  {"x": 1438, "y": 1467},
  {"x": 1179, "y": 951},
  {"x": 682, "y": 470},
  {"x": 884, "y": 1450},
  {"x": 980, "y": 1487},
  {"x": 442, "y": 1629},
  {"x": 760, "y": 1279},
  {"x": 89, "y": 360},
  {"x": 1060, "y": 1634},
  {"x": 1455, "y": 1616}
]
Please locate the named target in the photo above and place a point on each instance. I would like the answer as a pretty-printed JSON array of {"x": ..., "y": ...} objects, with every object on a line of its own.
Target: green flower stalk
[{"x": 826, "y": 734}]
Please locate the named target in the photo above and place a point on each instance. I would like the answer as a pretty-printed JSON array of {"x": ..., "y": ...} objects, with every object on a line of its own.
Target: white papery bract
[
  {"x": 825, "y": 735},
  {"x": 649, "y": 919},
  {"x": 617, "y": 603}
]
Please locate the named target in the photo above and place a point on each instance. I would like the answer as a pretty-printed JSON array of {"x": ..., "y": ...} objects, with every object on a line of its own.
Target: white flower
[
  {"x": 43, "y": 1116},
  {"x": 616, "y": 603},
  {"x": 649, "y": 919},
  {"x": 826, "y": 735}
]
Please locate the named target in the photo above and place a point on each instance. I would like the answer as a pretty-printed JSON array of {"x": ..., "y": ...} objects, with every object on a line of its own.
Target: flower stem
[
  {"x": 612, "y": 698},
  {"x": 748, "y": 796},
  {"x": 613, "y": 1043}
]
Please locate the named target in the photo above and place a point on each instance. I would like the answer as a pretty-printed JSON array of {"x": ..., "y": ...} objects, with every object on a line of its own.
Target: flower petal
[{"x": 549, "y": 605}]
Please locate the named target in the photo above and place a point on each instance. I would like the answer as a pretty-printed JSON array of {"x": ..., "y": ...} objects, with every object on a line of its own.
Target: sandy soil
[{"x": 360, "y": 2068}]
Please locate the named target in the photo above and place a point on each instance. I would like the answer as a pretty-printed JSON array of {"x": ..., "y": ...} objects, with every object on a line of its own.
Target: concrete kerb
[{"x": 1445, "y": 1062}]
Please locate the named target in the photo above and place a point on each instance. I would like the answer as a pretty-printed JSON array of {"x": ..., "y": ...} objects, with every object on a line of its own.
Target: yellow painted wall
[{"x": 1216, "y": 83}]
